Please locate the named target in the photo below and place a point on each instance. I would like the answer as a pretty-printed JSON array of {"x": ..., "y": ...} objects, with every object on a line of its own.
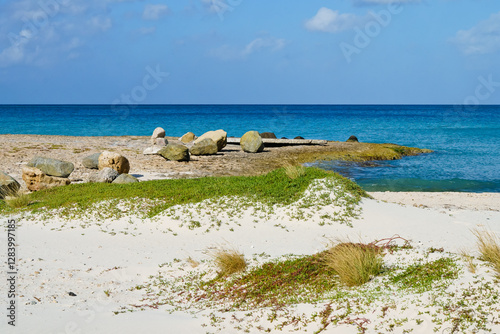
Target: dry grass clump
[
  {"x": 16, "y": 199},
  {"x": 468, "y": 259},
  {"x": 228, "y": 261},
  {"x": 355, "y": 263},
  {"x": 294, "y": 172},
  {"x": 488, "y": 244}
]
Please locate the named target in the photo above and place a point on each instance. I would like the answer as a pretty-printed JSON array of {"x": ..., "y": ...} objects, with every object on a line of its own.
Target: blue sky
[{"x": 250, "y": 51}]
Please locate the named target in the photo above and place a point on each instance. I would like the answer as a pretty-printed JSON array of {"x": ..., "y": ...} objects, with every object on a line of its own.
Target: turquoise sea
[{"x": 466, "y": 139}]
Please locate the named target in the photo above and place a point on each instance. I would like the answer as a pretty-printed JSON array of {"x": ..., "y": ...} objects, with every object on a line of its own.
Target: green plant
[
  {"x": 489, "y": 247},
  {"x": 294, "y": 172},
  {"x": 228, "y": 261},
  {"x": 355, "y": 263},
  {"x": 17, "y": 200}
]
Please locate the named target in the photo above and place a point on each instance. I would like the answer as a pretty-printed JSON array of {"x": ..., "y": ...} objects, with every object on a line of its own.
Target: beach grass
[
  {"x": 354, "y": 263},
  {"x": 488, "y": 244},
  {"x": 228, "y": 261},
  {"x": 272, "y": 188},
  {"x": 15, "y": 199}
]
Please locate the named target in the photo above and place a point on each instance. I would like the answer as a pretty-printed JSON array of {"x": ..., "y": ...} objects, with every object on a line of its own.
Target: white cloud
[
  {"x": 147, "y": 30},
  {"x": 154, "y": 12},
  {"x": 332, "y": 21},
  {"x": 269, "y": 43},
  {"x": 481, "y": 39},
  {"x": 100, "y": 23}
]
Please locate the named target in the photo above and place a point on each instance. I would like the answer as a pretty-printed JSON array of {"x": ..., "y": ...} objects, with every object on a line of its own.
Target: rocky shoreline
[{"x": 17, "y": 150}]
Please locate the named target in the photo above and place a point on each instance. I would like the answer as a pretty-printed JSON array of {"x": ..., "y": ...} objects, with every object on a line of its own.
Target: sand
[{"x": 57, "y": 257}]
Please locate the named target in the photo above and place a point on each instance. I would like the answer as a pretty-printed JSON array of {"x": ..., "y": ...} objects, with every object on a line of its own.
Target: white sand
[{"x": 56, "y": 260}]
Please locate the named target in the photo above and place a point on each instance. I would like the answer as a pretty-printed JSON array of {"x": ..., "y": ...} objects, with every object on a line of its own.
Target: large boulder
[
  {"x": 114, "y": 160},
  {"x": 157, "y": 133},
  {"x": 105, "y": 175},
  {"x": 36, "y": 179},
  {"x": 251, "y": 142},
  {"x": 187, "y": 137},
  {"x": 91, "y": 161},
  {"x": 219, "y": 137},
  {"x": 125, "y": 178},
  {"x": 175, "y": 152},
  {"x": 8, "y": 185},
  {"x": 205, "y": 147},
  {"x": 269, "y": 135},
  {"x": 52, "y": 167}
]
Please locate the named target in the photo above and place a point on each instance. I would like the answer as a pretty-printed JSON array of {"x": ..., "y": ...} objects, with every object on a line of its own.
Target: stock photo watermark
[
  {"x": 11, "y": 273},
  {"x": 483, "y": 91},
  {"x": 222, "y": 6},
  {"x": 40, "y": 18},
  {"x": 370, "y": 30}
]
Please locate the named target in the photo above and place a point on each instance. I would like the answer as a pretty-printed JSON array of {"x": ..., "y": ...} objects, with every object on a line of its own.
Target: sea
[{"x": 465, "y": 138}]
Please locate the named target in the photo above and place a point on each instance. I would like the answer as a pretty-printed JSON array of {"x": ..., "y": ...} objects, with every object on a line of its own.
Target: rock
[
  {"x": 187, "y": 137},
  {"x": 92, "y": 161},
  {"x": 219, "y": 137},
  {"x": 152, "y": 150},
  {"x": 175, "y": 152},
  {"x": 284, "y": 138},
  {"x": 8, "y": 185},
  {"x": 36, "y": 179},
  {"x": 205, "y": 147},
  {"x": 52, "y": 167},
  {"x": 157, "y": 133},
  {"x": 269, "y": 135},
  {"x": 125, "y": 178},
  {"x": 298, "y": 137},
  {"x": 161, "y": 142},
  {"x": 105, "y": 175},
  {"x": 352, "y": 139},
  {"x": 114, "y": 160},
  {"x": 251, "y": 142}
]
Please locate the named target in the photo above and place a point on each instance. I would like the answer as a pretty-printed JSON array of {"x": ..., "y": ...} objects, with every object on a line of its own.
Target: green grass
[{"x": 272, "y": 188}]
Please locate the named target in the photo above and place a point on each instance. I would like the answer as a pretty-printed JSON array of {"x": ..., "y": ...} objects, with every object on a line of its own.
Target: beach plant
[
  {"x": 228, "y": 261},
  {"x": 468, "y": 259},
  {"x": 17, "y": 199},
  {"x": 294, "y": 172},
  {"x": 488, "y": 244},
  {"x": 354, "y": 263}
]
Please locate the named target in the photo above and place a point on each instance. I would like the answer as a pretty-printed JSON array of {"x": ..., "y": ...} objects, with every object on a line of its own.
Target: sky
[{"x": 250, "y": 52}]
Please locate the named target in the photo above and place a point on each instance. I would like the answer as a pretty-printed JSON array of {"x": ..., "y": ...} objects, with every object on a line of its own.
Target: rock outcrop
[
  {"x": 269, "y": 135},
  {"x": 251, "y": 142},
  {"x": 52, "y": 167},
  {"x": 114, "y": 160},
  {"x": 219, "y": 137},
  {"x": 352, "y": 139},
  {"x": 91, "y": 161},
  {"x": 175, "y": 152},
  {"x": 205, "y": 147},
  {"x": 36, "y": 179},
  {"x": 8, "y": 185}
]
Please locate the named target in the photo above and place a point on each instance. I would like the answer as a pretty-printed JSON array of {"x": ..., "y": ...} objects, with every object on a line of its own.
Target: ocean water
[{"x": 466, "y": 139}]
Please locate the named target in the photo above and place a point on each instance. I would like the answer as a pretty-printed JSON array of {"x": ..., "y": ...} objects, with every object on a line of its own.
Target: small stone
[
  {"x": 298, "y": 137},
  {"x": 205, "y": 147},
  {"x": 157, "y": 133},
  {"x": 125, "y": 178},
  {"x": 352, "y": 139},
  {"x": 91, "y": 161},
  {"x": 269, "y": 135},
  {"x": 175, "y": 152},
  {"x": 187, "y": 137},
  {"x": 72, "y": 294}
]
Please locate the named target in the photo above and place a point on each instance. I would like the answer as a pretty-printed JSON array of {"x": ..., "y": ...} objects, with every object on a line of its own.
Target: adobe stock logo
[{"x": 371, "y": 30}]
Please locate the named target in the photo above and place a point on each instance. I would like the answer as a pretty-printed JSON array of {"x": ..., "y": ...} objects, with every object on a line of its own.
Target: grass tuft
[
  {"x": 17, "y": 200},
  {"x": 228, "y": 261},
  {"x": 355, "y": 263},
  {"x": 294, "y": 172},
  {"x": 489, "y": 247},
  {"x": 468, "y": 259}
]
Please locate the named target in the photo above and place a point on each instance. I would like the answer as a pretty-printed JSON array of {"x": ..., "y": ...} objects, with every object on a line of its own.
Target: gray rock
[
  {"x": 52, "y": 167},
  {"x": 125, "y": 178},
  {"x": 251, "y": 142},
  {"x": 269, "y": 135},
  {"x": 157, "y": 133},
  {"x": 152, "y": 150},
  {"x": 205, "y": 147},
  {"x": 161, "y": 142},
  {"x": 8, "y": 185},
  {"x": 352, "y": 139},
  {"x": 105, "y": 175},
  {"x": 175, "y": 152},
  {"x": 219, "y": 137},
  {"x": 92, "y": 161}
]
